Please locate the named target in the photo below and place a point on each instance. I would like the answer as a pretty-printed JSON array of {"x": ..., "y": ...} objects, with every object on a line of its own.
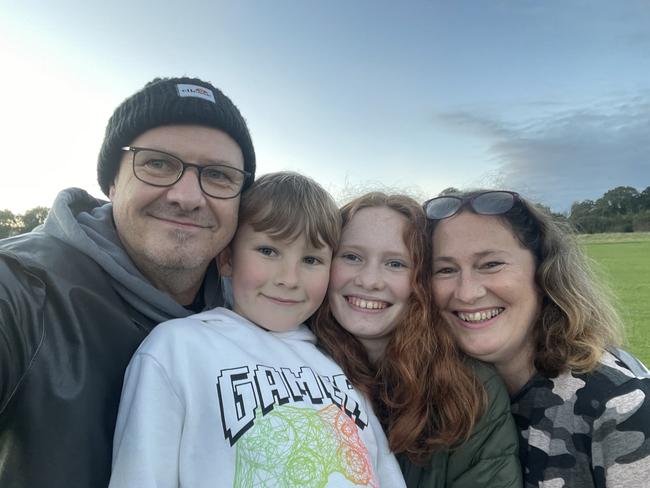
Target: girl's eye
[
  {"x": 312, "y": 260},
  {"x": 267, "y": 251},
  {"x": 443, "y": 271}
]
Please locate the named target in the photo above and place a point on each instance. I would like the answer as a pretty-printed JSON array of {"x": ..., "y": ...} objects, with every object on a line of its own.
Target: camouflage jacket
[{"x": 585, "y": 430}]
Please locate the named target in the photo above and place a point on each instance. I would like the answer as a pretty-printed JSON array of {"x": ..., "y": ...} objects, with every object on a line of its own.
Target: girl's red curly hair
[{"x": 424, "y": 393}]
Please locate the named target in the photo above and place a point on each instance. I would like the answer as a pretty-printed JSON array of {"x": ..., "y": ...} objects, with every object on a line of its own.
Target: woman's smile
[{"x": 484, "y": 284}]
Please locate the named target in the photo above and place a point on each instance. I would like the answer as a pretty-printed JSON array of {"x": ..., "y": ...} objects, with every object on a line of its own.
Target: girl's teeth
[{"x": 367, "y": 304}]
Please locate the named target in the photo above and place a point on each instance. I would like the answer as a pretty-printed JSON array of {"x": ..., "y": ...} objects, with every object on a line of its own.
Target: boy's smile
[{"x": 276, "y": 284}]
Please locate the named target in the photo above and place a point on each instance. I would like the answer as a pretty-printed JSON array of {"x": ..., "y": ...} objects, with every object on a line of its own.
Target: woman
[
  {"x": 517, "y": 292},
  {"x": 448, "y": 420}
]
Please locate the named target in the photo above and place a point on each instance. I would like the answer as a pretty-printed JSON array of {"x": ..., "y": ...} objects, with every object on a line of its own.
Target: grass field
[{"x": 624, "y": 262}]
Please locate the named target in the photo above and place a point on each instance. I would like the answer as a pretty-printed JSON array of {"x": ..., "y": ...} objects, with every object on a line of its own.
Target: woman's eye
[
  {"x": 312, "y": 260},
  {"x": 396, "y": 264},
  {"x": 491, "y": 265},
  {"x": 266, "y": 251}
]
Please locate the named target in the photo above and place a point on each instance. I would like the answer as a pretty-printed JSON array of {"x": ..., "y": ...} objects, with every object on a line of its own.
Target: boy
[{"x": 244, "y": 397}]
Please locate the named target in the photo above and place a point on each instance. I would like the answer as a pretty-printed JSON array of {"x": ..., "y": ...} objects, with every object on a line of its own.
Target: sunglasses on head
[{"x": 492, "y": 202}]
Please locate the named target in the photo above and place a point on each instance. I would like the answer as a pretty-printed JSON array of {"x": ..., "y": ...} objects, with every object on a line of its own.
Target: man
[{"x": 79, "y": 294}]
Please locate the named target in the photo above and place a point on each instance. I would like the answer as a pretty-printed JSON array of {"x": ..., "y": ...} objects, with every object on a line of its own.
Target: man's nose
[{"x": 187, "y": 192}]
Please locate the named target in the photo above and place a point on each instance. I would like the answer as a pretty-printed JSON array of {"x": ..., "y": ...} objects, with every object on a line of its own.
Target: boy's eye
[
  {"x": 312, "y": 260},
  {"x": 267, "y": 251},
  {"x": 348, "y": 256}
]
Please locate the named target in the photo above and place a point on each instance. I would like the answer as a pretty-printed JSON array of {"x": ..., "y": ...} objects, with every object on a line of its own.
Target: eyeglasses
[
  {"x": 159, "y": 168},
  {"x": 493, "y": 202}
]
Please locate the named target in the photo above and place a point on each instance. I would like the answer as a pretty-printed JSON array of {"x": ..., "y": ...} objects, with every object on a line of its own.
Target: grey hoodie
[{"x": 86, "y": 224}]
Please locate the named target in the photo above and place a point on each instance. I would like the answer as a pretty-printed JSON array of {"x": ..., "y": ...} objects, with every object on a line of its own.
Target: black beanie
[{"x": 169, "y": 101}]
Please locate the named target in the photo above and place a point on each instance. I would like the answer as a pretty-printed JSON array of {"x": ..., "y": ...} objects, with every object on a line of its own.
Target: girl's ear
[{"x": 224, "y": 262}]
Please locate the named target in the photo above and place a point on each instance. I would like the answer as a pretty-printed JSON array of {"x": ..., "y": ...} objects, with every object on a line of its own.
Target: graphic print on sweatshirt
[
  {"x": 302, "y": 447},
  {"x": 292, "y": 428}
]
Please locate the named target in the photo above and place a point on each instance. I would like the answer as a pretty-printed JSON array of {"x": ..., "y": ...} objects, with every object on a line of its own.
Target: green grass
[
  {"x": 615, "y": 237},
  {"x": 624, "y": 262}
]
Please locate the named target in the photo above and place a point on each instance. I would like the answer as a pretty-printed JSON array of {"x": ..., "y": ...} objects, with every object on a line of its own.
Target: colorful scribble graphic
[{"x": 293, "y": 447}]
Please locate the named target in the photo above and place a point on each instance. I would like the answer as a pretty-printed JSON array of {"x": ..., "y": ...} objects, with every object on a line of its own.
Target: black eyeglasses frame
[{"x": 199, "y": 169}]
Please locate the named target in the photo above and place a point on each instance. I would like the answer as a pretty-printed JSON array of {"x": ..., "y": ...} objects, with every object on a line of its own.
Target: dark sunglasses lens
[
  {"x": 442, "y": 207},
  {"x": 493, "y": 203}
]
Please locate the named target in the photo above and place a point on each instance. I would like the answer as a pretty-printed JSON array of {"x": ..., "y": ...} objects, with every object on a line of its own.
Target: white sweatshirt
[{"x": 213, "y": 400}]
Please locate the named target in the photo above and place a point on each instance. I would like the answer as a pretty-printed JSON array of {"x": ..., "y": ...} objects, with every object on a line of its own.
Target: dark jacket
[
  {"x": 67, "y": 331},
  {"x": 489, "y": 458}
]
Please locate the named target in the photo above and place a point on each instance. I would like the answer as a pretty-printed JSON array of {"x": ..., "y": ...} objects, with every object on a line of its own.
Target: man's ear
[{"x": 224, "y": 262}]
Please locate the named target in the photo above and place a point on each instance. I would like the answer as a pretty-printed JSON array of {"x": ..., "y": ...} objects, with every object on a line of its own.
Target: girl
[{"x": 377, "y": 323}]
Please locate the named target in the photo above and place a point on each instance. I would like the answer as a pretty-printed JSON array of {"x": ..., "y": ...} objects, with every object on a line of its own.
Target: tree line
[
  {"x": 12, "y": 224},
  {"x": 621, "y": 209}
]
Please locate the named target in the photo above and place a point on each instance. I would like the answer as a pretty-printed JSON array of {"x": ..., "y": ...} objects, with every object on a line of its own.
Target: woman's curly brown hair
[{"x": 577, "y": 321}]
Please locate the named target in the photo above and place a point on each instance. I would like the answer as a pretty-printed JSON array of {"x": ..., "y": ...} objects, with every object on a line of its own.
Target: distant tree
[
  {"x": 10, "y": 224},
  {"x": 583, "y": 209},
  {"x": 641, "y": 221},
  {"x": 622, "y": 200},
  {"x": 583, "y": 216},
  {"x": 621, "y": 209},
  {"x": 33, "y": 218},
  {"x": 644, "y": 199}
]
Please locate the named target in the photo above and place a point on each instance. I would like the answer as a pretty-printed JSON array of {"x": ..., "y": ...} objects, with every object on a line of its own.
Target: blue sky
[{"x": 549, "y": 98}]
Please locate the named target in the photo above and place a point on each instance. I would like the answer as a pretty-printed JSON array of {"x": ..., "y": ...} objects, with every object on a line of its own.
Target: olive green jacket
[{"x": 489, "y": 458}]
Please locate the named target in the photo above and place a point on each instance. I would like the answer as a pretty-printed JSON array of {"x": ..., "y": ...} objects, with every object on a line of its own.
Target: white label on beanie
[{"x": 195, "y": 91}]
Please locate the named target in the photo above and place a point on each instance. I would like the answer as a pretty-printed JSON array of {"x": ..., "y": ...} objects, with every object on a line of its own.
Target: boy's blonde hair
[{"x": 286, "y": 204}]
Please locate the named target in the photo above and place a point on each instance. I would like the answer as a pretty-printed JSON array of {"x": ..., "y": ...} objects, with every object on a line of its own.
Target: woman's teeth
[{"x": 479, "y": 316}]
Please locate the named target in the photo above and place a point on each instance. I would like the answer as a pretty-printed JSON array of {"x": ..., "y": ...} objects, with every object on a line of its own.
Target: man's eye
[
  {"x": 159, "y": 165},
  {"x": 215, "y": 174}
]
